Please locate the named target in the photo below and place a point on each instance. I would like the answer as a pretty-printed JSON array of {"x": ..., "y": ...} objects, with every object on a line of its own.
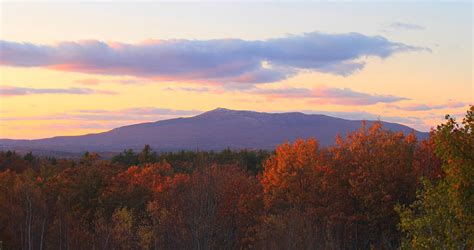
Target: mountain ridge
[{"x": 216, "y": 129}]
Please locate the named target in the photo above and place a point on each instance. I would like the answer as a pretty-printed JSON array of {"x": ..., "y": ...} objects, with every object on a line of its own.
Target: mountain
[{"x": 213, "y": 130}]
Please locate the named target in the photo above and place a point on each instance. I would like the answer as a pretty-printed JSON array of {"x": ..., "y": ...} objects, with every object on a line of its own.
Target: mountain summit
[{"x": 213, "y": 130}]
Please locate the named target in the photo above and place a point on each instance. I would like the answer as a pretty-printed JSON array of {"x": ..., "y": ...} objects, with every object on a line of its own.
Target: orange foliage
[{"x": 307, "y": 197}]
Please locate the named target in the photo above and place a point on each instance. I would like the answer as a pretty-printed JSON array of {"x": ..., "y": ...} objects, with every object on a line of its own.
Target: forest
[{"x": 373, "y": 189}]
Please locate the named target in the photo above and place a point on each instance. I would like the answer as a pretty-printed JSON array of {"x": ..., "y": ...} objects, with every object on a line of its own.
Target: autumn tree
[
  {"x": 27, "y": 208},
  {"x": 381, "y": 173},
  {"x": 303, "y": 196},
  {"x": 13, "y": 161},
  {"x": 208, "y": 209},
  {"x": 341, "y": 196},
  {"x": 295, "y": 188}
]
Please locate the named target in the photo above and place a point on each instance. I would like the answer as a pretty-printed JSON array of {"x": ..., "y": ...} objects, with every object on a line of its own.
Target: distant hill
[{"x": 213, "y": 130}]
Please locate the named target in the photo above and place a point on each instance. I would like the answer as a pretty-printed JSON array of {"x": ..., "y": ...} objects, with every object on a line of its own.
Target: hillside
[{"x": 213, "y": 130}]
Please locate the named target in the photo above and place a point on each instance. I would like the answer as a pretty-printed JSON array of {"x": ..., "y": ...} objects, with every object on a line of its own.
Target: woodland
[{"x": 372, "y": 189}]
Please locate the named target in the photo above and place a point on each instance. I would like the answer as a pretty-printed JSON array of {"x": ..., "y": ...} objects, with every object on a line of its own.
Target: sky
[{"x": 78, "y": 68}]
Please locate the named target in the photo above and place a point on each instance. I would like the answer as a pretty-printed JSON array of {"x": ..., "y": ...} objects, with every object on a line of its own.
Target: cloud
[
  {"x": 412, "y": 121},
  {"x": 95, "y": 81},
  {"x": 426, "y": 107},
  {"x": 319, "y": 95},
  {"x": 131, "y": 81},
  {"x": 188, "y": 89},
  {"x": 327, "y": 95},
  {"x": 137, "y": 114},
  {"x": 100, "y": 119},
  {"x": 19, "y": 91},
  {"x": 147, "y": 111},
  {"x": 405, "y": 26},
  {"x": 89, "y": 81},
  {"x": 217, "y": 61},
  {"x": 125, "y": 81},
  {"x": 284, "y": 93},
  {"x": 347, "y": 96}
]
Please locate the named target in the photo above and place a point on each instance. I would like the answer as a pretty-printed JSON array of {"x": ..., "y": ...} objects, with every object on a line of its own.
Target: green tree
[
  {"x": 442, "y": 216},
  {"x": 127, "y": 158},
  {"x": 147, "y": 155}
]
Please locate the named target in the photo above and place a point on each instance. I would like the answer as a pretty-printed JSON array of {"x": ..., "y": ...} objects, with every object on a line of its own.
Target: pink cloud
[
  {"x": 327, "y": 95},
  {"x": 220, "y": 60},
  {"x": 89, "y": 81},
  {"x": 426, "y": 107}
]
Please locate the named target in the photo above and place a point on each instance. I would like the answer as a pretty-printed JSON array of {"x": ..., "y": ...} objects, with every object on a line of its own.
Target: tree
[
  {"x": 341, "y": 196},
  {"x": 123, "y": 231},
  {"x": 381, "y": 174},
  {"x": 205, "y": 210},
  {"x": 89, "y": 158},
  {"x": 147, "y": 155},
  {"x": 442, "y": 216},
  {"x": 127, "y": 158},
  {"x": 296, "y": 189}
]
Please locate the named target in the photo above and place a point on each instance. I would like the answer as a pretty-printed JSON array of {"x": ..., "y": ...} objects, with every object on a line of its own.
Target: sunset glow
[{"x": 70, "y": 69}]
